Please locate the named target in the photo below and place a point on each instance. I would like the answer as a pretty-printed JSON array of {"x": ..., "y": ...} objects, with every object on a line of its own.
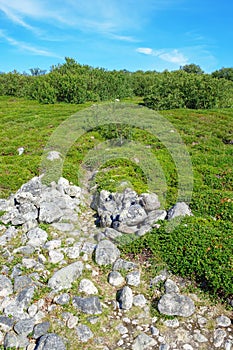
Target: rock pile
[
  {"x": 130, "y": 213},
  {"x": 64, "y": 284}
]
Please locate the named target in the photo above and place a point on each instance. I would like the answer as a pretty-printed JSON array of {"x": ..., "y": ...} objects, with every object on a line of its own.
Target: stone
[
  {"x": 122, "y": 329},
  {"x": 6, "y": 323},
  {"x": 223, "y": 321},
  {"x": 40, "y": 329},
  {"x": 200, "y": 338},
  {"x": 63, "y": 278},
  {"x": 6, "y": 287},
  {"x": 176, "y": 305},
  {"x": 84, "y": 333},
  {"x": 115, "y": 278},
  {"x": 63, "y": 226},
  {"x": 90, "y": 305},
  {"x": 106, "y": 253},
  {"x": 86, "y": 286},
  {"x": 22, "y": 282},
  {"x": 149, "y": 201},
  {"x": 72, "y": 321},
  {"x": 143, "y": 342},
  {"x": 179, "y": 209},
  {"x": 125, "y": 298},
  {"x": 172, "y": 323},
  {"x": 11, "y": 341},
  {"x": 133, "y": 278},
  {"x": 171, "y": 287},
  {"x": 50, "y": 341},
  {"x": 24, "y": 326},
  {"x": 219, "y": 336},
  {"x": 49, "y": 213},
  {"x": 37, "y": 237},
  {"x": 139, "y": 300},
  {"x": 112, "y": 234},
  {"x": 121, "y": 264},
  {"x": 62, "y": 299},
  {"x": 55, "y": 256},
  {"x": 159, "y": 278}
]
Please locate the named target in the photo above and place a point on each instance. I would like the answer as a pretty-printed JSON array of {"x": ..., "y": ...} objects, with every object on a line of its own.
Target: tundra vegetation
[{"x": 199, "y": 105}]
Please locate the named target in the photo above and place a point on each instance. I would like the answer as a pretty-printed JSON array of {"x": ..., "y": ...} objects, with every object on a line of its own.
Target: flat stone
[
  {"x": 89, "y": 305},
  {"x": 121, "y": 264},
  {"x": 55, "y": 256},
  {"x": 149, "y": 201},
  {"x": 63, "y": 278},
  {"x": 171, "y": 287},
  {"x": 177, "y": 305},
  {"x": 22, "y": 282}
]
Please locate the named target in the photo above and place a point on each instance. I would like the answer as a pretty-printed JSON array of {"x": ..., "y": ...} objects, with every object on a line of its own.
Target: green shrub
[{"x": 200, "y": 249}]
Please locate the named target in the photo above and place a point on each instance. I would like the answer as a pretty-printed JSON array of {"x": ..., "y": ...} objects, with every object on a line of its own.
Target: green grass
[{"x": 206, "y": 134}]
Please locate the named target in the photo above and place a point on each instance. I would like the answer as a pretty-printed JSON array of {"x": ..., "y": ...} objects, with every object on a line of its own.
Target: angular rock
[
  {"x": 37, "y": 237},
  {"x": 86, "y": 286},
  {"x": 223, "y": 321},
  {"x": 106, "y": 253},
  {"x": 62, "y": 299},
  {"x": 40, "y": 329},
  {"x": 115, "y": 278},
  {"x": 50, "y": 341},
  {"x": 6, "y": 287},
  {"x": 179, "y": 209},
  {"x": 6, "y": 323},
  {"x": 149, "y": 201},
  {"x": 121, "y": 264},
  {"x": 24, "y": 326},
  {"x": 171, "y": 287},
  {"x": 133, "y": 278},
  {"x": 125, "y": 298},
  {"x": 63, "y": 278},
  {"x": 219, "y": 336},
  {"x": 84, "y": 333},
  {"x": 143, "y": 342},
  {"x": 90, "y": 306},
  {"x": 176, "y": 305},
  {"x": 139, "y": 300},
  {"x": 49, "y": 213}
]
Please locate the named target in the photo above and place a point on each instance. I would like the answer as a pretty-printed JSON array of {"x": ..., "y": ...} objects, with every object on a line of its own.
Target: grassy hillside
[{"x": 208, "y": 135}]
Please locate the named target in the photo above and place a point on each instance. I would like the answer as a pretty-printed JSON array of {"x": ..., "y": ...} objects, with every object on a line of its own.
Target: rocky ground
[{"x": 65, "y": 285}]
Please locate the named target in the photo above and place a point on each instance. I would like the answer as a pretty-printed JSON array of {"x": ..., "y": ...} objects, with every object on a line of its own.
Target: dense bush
[
  {"x": 198, "y": 248},
  {"x": 188, "y": 90},
  {"x": 72, "y": 82}
]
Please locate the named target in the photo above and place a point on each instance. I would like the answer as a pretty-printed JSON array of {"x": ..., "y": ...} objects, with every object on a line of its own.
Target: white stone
[{"x": 86, "y": 286}]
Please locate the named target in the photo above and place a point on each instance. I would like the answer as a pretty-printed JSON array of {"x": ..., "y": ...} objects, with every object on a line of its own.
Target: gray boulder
[
  {"x": 173, "y": 304},
  {"x": 125, "y": 298},
  {"x": 84, "y": 333},
  {"x": 49, "y": 213},
  {"x": 106, "y": 253},
  {"x": 143, "y": 342},
  {"x": 63, "y": 278},
  {"x": 89, "y": 305},
  {"x": 50, "y": 341}
]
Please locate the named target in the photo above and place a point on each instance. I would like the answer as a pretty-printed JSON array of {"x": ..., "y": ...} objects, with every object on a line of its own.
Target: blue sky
[{"x": 116, "y": 34}]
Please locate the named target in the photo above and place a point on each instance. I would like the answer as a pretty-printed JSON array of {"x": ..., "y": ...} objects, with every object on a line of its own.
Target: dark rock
[
  {"x": 89, "y": 305},
  {"x": 50, "y": 341}
]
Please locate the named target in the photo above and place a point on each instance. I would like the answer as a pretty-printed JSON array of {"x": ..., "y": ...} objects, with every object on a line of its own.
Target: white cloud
[
  {"x": 168, "y": 55},
  {"x": 27, "y": 47},
  {"x": 145, "y": 50}
]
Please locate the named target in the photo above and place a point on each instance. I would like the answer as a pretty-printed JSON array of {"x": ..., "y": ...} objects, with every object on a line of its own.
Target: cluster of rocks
[
  {"x": 130, "y": 213},
  {"x": 67, "y": 287}
]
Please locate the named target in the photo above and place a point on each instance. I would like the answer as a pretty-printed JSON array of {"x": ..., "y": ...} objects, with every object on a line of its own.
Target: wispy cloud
[
  {"x": 168, "y": 55},
  {"x": 27, "y": 47}
]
